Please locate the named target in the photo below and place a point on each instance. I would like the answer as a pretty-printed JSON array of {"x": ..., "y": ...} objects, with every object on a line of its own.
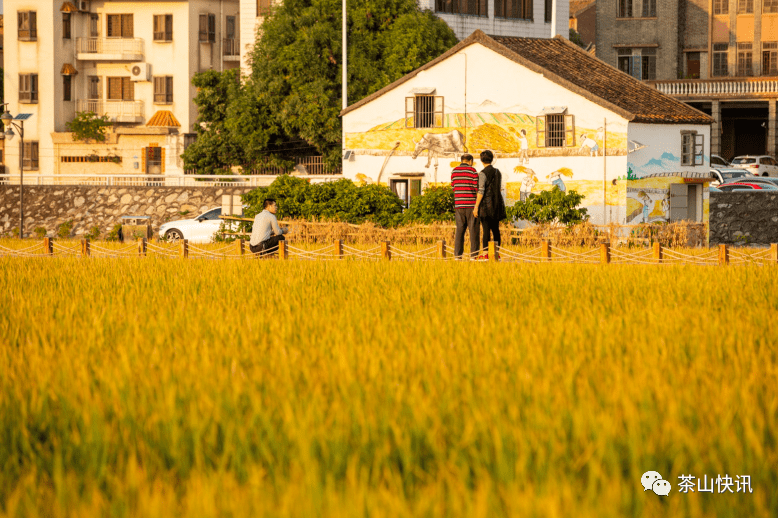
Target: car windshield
[
  {"x": 729, "y": 176},
  {"x": 212, "y": 214},
  {"x": 717, "y": 161},
  {"x": 744, "y": 160}
]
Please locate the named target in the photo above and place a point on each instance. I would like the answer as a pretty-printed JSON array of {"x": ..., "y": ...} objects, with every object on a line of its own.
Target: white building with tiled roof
[
  {"x": 553, "y": 115},
  {"x": 132, "y": 61}
]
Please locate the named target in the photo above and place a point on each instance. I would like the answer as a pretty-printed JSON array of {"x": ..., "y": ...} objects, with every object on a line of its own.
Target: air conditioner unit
[
  {"x": 83, "y": 6},
  {"x": 140, "y": 72}
]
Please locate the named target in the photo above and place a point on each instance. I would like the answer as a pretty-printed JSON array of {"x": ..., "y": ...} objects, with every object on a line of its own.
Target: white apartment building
[
  {"x": 518, "y": 18},
  {"x": 132, "y": 61}
]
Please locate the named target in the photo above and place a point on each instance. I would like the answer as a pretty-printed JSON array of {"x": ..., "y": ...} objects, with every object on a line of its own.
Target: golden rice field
[{"x": 162, "y": 387}]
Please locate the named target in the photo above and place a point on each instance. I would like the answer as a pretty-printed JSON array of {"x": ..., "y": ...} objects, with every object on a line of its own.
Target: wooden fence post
[
  {"x": 658, "y": 252},
  {"x": 338, "y": 248},
  {"x": 605, "y": 252},
  {"x": 492, "y": 251},
  {"x": 545, "y": 249},
  {"x": 48, "y": 245},
  {"x": 774, "y": 253},
  {"x": 86, "y": 251},
  {"x": 240, "y": 247},
  {"x": 723, "y": 255},
  {"x": 386, "y": 251},
  {"x": 184, "y": 249},
  {"x": 283, "y": 251},
  {"x": 141, "y": 247},
  {"x": 442, "y": 248}
]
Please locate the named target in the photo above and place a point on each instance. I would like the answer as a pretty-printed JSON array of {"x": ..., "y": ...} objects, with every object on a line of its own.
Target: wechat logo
[{"x": 653, "y": 480}]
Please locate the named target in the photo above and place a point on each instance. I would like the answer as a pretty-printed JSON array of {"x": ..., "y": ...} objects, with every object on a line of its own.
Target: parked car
[
  {"x": 747, "y": 186},
  {"x": 718, "y": 163},
  {"x": 197, "y": 230},
  {"x": 728, "y": 175},
  {"x": 760, "y": 165},
  {"x": 755, "y": 179}
]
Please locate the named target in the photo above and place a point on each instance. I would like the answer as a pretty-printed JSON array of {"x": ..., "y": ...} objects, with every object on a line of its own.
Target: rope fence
[{"x": 441, "y": 251}]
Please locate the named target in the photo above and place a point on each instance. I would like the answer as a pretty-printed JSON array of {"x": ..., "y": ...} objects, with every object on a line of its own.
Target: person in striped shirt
[{"x": 464, "y": 182}]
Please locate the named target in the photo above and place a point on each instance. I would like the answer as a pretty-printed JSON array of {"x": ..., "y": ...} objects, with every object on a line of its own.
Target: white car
[
  {"x": 198, "y": 230},
  {"x": 729, "y": 174},
  {"x": 759, "y": 165},
  {"x": 717, "y": 162}
]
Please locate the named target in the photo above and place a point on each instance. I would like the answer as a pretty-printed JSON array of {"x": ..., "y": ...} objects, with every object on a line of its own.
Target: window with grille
[
  {"x": 745, "y": 6},
  {"x": 720, "y": 52},
  {"x": 163, "y": 90},
  {"x": 720, "y": 6},
  {"x": 770, "y": 58},
  {"x": 639, "y": 63},
  {"x": 207, "y": 32},
  {"x": 66, "y": 26},
  {"x": 649, "y": 8},
  {"x": 119, "y": 26},
  {"x": 518, "y": 9},
  {"x": 624, "y": 60},
  {"x": 555, "y": 130},
  {"x": 94, "y": 25},
  {"x": 770, "y": 6},
  {"x": 28, "y": 88},
  {"x": 163, "y": 27},
  {"x": 67, "y": 88},
  {"x": 692, "y": 148},
  {"x": 263, "y": 6},
  {"x": 648, "y": 64},
  {"x": 424, "y": 111},
  {"x": 28, "y": 25},
  {"x": 745, "y": 66},
  {"x": 473, "y": 7},
  {"x": 625, "y": 9},
  {"x": 93, "y": 85},
  {"x": 121, "y": 89},
  {"x": 28, "y": 155},
  {"x": 154, "y": 160}
]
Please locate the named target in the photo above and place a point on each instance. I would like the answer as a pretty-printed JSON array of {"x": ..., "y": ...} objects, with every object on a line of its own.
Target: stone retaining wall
[
  {"x": 89, "y": 206},
  {"x": 744, "y": 218}
]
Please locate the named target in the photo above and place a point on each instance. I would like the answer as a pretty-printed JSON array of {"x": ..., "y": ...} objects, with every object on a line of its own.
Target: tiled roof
[
  {"x": 68, "y": 70},
  {"x": 590, "y": 77},
  {"x": 164, "y": 119},
  {"x": 576, "y": 6},
  {"x": 576, "y": 70},
  {"x": 68, "y": 7}
]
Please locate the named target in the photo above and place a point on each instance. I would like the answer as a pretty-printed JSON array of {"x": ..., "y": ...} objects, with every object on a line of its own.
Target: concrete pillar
[
  {"x": 771, "y": 127},
  {"x": 715, "y": 128},
  {"x": 756, "y": 52}
]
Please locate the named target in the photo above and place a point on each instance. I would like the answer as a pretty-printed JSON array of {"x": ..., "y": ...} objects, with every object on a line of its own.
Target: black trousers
[
  {"x": 265, "y": 246},
  {"x": 490, "y": 226},
  {"x": 466, "y": 221}
]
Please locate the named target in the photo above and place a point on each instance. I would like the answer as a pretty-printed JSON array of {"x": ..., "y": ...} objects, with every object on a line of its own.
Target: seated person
[{"x": 266, "y": 233}]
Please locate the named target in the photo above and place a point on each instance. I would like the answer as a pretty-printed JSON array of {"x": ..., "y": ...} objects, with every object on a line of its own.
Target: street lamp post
[{"x": 8, "y": 122}]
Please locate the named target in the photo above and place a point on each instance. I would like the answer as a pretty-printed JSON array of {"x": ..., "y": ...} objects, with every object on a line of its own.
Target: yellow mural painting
[
  {"x": 591, "y": 189},
  {"x": 512, "y": 135}
]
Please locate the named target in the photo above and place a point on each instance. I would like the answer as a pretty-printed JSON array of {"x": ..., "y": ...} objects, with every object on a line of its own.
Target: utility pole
[{"x": 345, "y": 58}]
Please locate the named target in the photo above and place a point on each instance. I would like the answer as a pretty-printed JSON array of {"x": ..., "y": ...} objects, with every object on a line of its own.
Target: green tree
[
  {"x": 554, "y": 206},
  {"x": 575, "y": 37},
  {"x": 290, "y": 102},
  {"x": 435, "y": 205},
  {"x": 89, "y": 126}
]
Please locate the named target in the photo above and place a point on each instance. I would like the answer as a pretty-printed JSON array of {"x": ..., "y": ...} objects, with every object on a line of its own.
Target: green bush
[
  {"x": 435, "y": 205},
  {"x": 554, "y": 206},
  {"x": 93, "y": 234},
  {"x": 341, "y": 200},
  {"x": 64, "y": 229},
  {"x": 40, "y": 232},
  {"x": 115, "y": 233}
]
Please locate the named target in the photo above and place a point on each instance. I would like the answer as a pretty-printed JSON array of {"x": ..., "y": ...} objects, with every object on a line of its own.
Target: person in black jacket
[{"x": 489, "y": 204}]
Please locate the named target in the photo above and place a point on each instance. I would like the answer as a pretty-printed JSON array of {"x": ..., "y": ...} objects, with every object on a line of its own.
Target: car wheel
[
  {"x": 765, "y": 174},
  {"x": 174, "y": 235}
]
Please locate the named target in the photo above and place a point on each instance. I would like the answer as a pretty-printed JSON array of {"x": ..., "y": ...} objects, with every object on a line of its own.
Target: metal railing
[
  {"x": 231, "y": 47},
  {"x": 122, "y": 46},
  {"x": 122, "y": 111},
  {"x": 717, "y": 87},
  {"x": 142, "y": 180},
  {"x": 306, "y": 166}
]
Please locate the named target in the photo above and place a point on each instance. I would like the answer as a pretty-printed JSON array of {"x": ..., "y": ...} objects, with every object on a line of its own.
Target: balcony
[
  {"x": 117, "y": 111},
  {"x": 231, "y": 50},
  {"x": 721, "y": 88},
  {"x": 109, "y": 49}
]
